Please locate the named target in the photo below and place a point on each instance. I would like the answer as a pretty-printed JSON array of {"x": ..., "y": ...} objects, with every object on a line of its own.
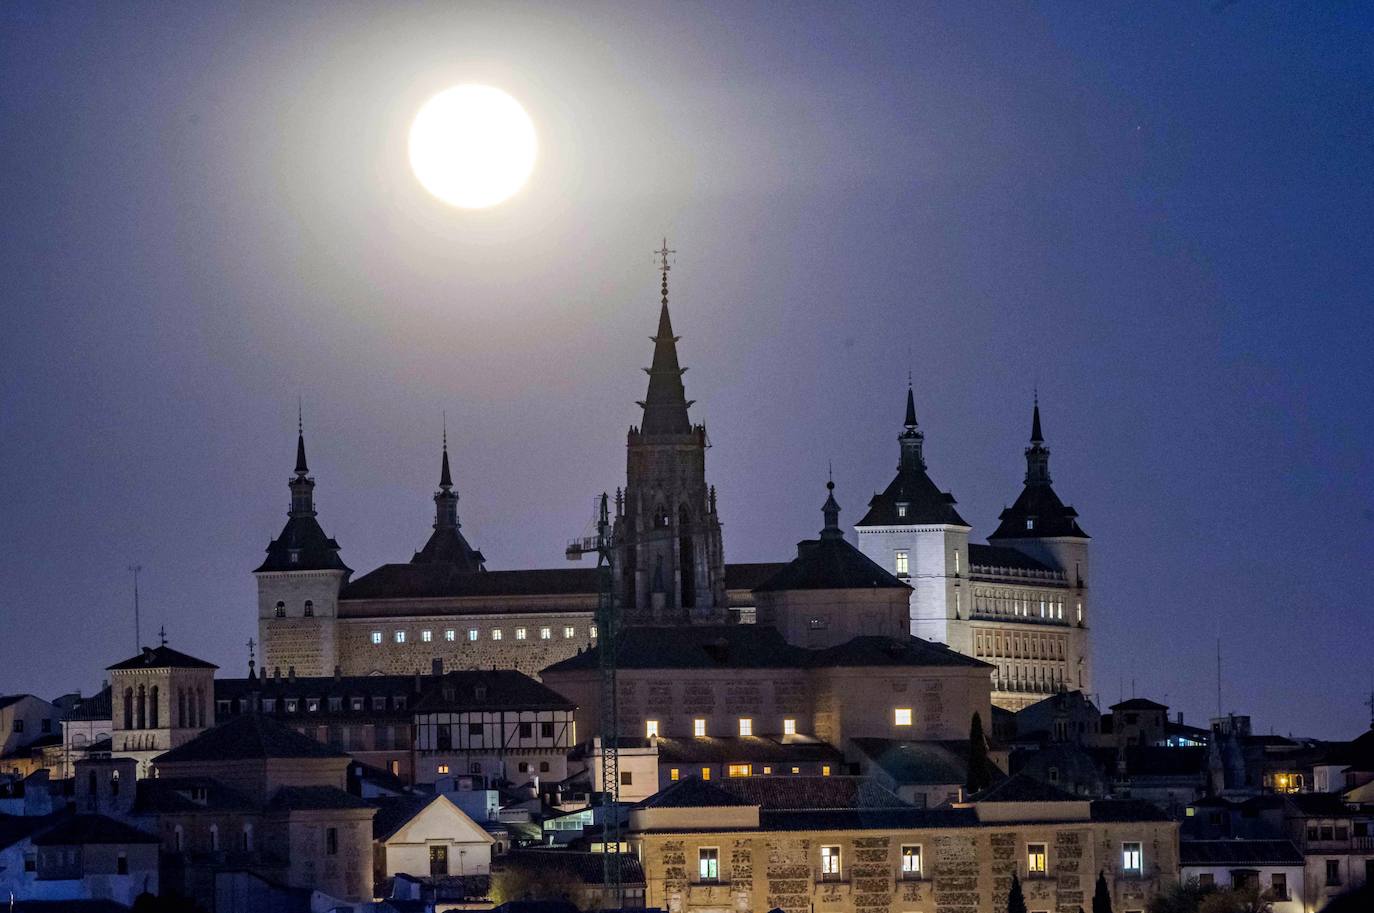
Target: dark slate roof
[
  {"x": 812, "y": 793},
  {"x": 504, "y": 689},
  {"x": 1238, "y": 852},
  {"x": 925, "y": 502},
  {"x": 248, "y": 737},
  {"x": 8, "y": 699},
  {"x": 1162, "y": 761},
  {"x": 918, "y": 762},
  {"x": 428, "y": 581},
  {"x": 693, "y": 792},
  {"x": 84, "y": 830},
  {"x": 447, "y": 546},
  {"x": 759, "y": 647},
  {"x": 394, "y": 811},
  {"x": 315, "y": 797},
  {"x": 873, "y": 650},
  {"x": 830, "y": 563},
  {"x": 746, "y": 749},
  {"x": 163, "y": 657},
  {"x": 1357, "y": 753},
  {"x": 325, "y": 687},
  {"x": 66, "y": 906},
  {"x": 302, "y": 534},
  {"x": 750, "y": 575},
  {"x": 14, "y": 828},
  {"x": 1126, "y": 810},
  {"x": 1049, "y": 516},
  {"x": 1139, "y": 703},
  {"x": 167, "y": 795},
  {"x": 1001, "y": 556},
  {"x": 1023, "y": 788},
  {"x": 1326, "y": 805},
  {"x": 98, "y": 706}
]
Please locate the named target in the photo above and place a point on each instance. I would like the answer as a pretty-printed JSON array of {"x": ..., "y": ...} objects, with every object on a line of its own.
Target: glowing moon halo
[{"x": 472, "y": 146}]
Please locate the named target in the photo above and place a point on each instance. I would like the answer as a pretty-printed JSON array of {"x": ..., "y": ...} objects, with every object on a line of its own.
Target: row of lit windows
[
  {"x": 314, "y": 704},
  {"x": 1032, "y": 646},
  {"x": 1038, "y": 859},
  {"x": 901, "y": 558},
  {"x": 1035, "y": 677},
  {"x": 473, "y": 634},
  {"x": 1022, "y": 605},
  {"x": 901, "y": 716},
  {"x": 742, "y": 770}
]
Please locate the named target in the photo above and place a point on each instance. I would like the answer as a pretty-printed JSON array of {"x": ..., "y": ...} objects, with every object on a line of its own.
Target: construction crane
[{"x": 607, "y": 630}]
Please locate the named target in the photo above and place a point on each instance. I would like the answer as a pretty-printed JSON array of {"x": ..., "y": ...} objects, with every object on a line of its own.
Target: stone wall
[{"x": 358, "y": 655}]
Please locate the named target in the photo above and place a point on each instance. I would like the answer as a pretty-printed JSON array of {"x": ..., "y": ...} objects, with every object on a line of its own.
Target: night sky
[{"x": 1161, "y": 215}]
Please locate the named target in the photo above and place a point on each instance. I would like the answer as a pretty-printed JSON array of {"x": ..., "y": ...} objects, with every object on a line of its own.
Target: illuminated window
[
  {"x": 767, "y": 769},
  {"x": 591, "y": 632},
  {"x": 519, "y": 633},
  {"x": 674, "y": 774},
  {"x": 901, "y": 510},
  {"x": 442, "y": 768},
  {"x": 746, "y": 726},
  {"x": 739, "y": 770},
  {"x": 1037, "y": 859},
  {"x": 1030, "y": 524},
  {"x": 650, "y": 728},
  {"x": 450, "y": 635},
  {"x": 495, "y": 633},
  {"x": 312, "y": 705},
  {"x": 698, "y": 727},
  {"x": 902, "y": 716},
  {"x": 427, "y": 635},
  {"x": 400, "y": 637},
  {"x": 706, "y": 773},
  {"x": 796, "y": 770},
  {"x": 568, "y": 631},
  {"x": 280, "y": 610},
  {"x": 376, "y": 637},
  {"x": 1190, "y": 811},
  {"x": 1080, "y": 611},
  {"x": 911, "y": 861},
  {"x": 830, "y": 863},
  {"x": 789, "y": 727},
  {"x": 956, "y": 561},
  {"x": 903, "y": 565},
  {"x": 825, "y": 770},
  {"x": 708, "y": 863},
  {"x": 1131, "y": 858},
  {"x": 472, "y": 633},
  {"x": 545, "y": 633}
]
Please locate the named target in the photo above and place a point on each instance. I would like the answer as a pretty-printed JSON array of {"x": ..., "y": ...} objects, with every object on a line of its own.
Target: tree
[
  {"x": 1181, "y": 897},
  {"x": 1246, "y": 899},
  {"x": 979, "y": 772},
  {"x": 1102, "y": 898},
  {"x": 1016, "y": 901}
]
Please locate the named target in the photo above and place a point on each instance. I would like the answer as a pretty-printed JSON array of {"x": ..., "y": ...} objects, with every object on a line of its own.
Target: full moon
[{"x": 472, "y": 146}]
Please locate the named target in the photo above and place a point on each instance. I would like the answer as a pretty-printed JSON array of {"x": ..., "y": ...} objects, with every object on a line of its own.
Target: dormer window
[
  {"x": 480, "y": 692},
  {"x": 295, "y": 556},
  {"x": 901, "y": 509},
  {"x": 1030, "y": 524}
]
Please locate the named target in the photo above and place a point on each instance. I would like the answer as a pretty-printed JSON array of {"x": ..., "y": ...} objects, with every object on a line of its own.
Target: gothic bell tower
[{"x": 669, "y": 561}]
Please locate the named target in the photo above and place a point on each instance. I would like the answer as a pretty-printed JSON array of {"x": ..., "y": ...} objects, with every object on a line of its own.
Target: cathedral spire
[
  {"x": 912, "y": 440},
  {"x": 665, "y": 405}
]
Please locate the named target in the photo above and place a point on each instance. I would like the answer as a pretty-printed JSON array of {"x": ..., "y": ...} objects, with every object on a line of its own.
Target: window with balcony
[
  {"x": 1037, "y": 860},
  {"x": 708, "y": 864},
  {"x": 911, "y": 861},
  {"x": 830, "y": 863},
  {"x": 1132, "y": 861}
]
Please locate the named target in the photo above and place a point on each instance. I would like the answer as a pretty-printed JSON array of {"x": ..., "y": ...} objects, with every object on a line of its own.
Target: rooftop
[
  {"x": 248, "y": 737},
  {"x": 161, "y": 657}
]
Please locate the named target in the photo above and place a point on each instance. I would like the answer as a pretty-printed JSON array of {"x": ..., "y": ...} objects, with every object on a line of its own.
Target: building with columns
[{"x": 1019, "y": 602}]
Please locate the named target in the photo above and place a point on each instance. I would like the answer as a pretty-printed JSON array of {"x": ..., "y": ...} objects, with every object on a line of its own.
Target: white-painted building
[
  {"x": 1275, "y": 866},
  {"x": 24, "y": 719},
  {"x": 429, "y": 837}
]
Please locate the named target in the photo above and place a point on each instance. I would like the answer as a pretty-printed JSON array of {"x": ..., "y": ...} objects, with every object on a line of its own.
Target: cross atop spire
[{"x": 664, "y": 266}]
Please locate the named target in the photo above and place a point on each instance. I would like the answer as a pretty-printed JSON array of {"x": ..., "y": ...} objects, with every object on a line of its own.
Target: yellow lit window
[
  {"x": 740, "y": 770},
  {"x": 767, "y": 769},
  {"x": 825, "y": 770},
  {"x": 1037, "y": 859},
  {"x": 698, "y": 727},
  {"x": 911, "y": 861},
  {"x": 789, "y": 727},
  {"x": 796, "y": 770},
  {"x": 902, "y": 716},
  {"x": 903, "y": 564},
  {"x": 746, "y": 726},
  {"x": 674, "y": 774},
  {"x": 650, "y": 728},
  {"x": 443, "y": 768},
  {"x": 830, "y": 863},
  {"x": 706, "y": 773}
]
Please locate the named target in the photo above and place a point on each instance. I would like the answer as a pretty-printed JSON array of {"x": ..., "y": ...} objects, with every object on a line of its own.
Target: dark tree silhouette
[
  {"x": 979, "y": 767},
  {"x": 1102, "y": 898},
  {"x": 1016, "y": 901}
]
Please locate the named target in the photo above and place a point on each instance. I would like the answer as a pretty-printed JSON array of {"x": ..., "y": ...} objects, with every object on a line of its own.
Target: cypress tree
[
  {"x": 1016, "y": 901},
  {"x": 1102, "y": 898},
  {"x": 979, "y": 776}
]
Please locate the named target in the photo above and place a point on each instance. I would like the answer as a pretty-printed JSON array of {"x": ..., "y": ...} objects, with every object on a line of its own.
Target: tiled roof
[
  {"x": 1126, "y": 810},
  {"x": 8, "y": 699},
  {"x": 918, "y": 762},
  {"x": 504, "y": 689},
  {"x": 589, "y": 868},
  {"x": 811, "y": 821},
  {"x": 1238, "y": 852},
  {"x": 1138, "y": 703},
  {"x": 746, "y": 749},
  {"x": 14, "y": 828},
  {"x": 1023, "y": 788},
  {"x": 830, "y": 564},
  {"x": 430, "y": 581},
  {"x": 394, "y": 811},
  {"x": 873, "y": 650},
  {"x": 693, "y": 792},
  {"x": 165, "y": 795},
  {"x": 315, "y": 797},
  {"x": 96, "y": 707},
  {"x": 749, "y": 576},
  {"x": 85, "y": 830},
  {"x": 801, "y": 793},
  {"x": 247, "y": 737},
  {"x": 162, "y": 657}
]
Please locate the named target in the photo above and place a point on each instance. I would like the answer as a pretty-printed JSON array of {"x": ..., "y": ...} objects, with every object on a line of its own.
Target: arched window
[
  {"x": 128, "y": 708},
  {"x": 309, "y": 609},
  {"x": 142, "y": 707},
  {"x": 280, "y": 610},
  {"x": 153, "y": 714},
  {"x": 214, "y": 838}
]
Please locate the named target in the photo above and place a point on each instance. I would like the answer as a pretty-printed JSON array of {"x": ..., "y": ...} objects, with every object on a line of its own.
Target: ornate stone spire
[{"x": 665, "y": 404}]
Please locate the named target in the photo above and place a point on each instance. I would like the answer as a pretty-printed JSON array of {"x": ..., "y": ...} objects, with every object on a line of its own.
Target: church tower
[
  {"x": 669, "y": 560},
  {"x": 446, "y": 544},
  {"x": 913, "y": 530},
  {"x": 299, "y": 584},
  {"x": 1040, "y": 525}
]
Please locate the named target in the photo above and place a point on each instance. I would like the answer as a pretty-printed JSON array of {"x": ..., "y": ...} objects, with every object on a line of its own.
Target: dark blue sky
[{"x": 1163, "y": 215}]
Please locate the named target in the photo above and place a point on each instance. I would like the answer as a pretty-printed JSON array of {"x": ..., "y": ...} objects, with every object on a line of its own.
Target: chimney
[
  {"x": 338, "y": 673},
  {"x": 437, "y": 667},
  {"x": 1180, "y": 718},
  {"x": 276, "y": 672},
  {"x": 290, "y": 673}
]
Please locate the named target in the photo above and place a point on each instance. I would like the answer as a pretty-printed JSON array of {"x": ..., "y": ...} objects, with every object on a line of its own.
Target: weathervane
[
  {"x": 162, "y": 635},
  {"x": 664, "y": 266}
]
